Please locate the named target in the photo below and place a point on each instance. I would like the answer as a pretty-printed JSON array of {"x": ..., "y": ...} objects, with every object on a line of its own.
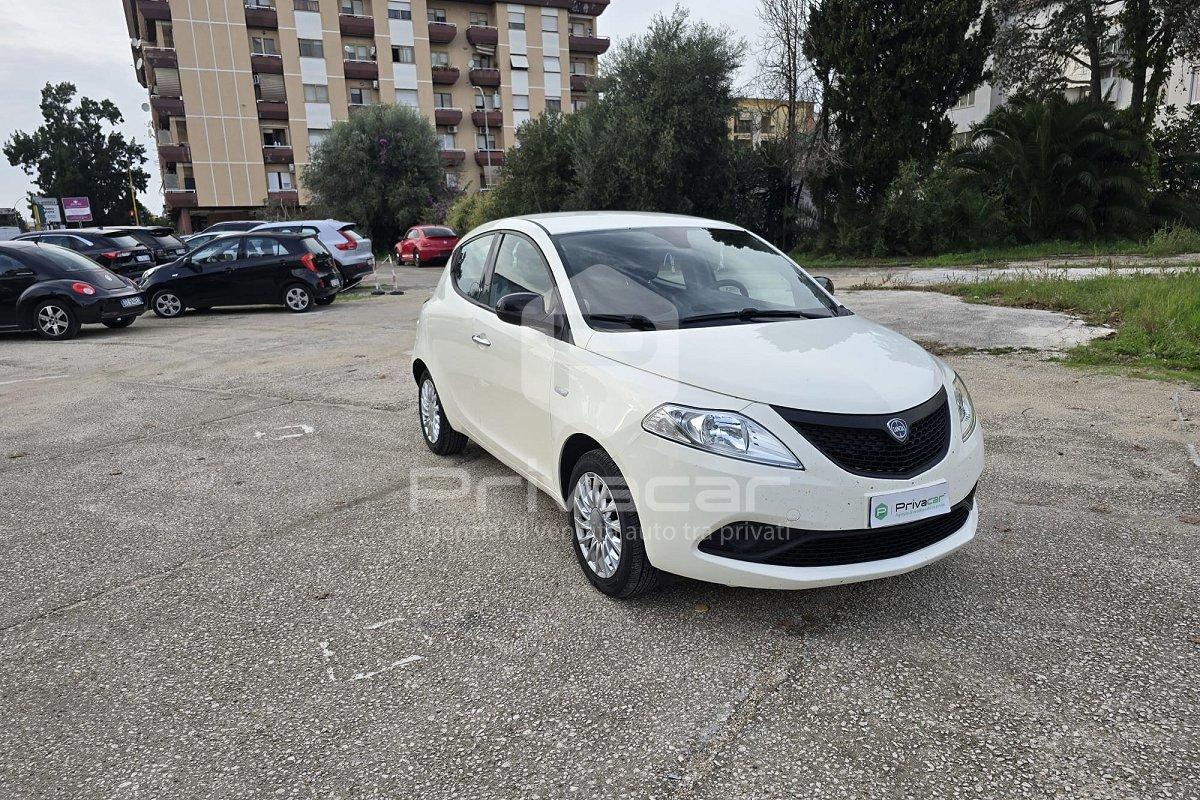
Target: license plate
[
  {"x": 130, "y": 302},
  {"x": 335, "y": 282},
  {"x": 910, "y": 505},
  {"x": 143, "y": 258}
]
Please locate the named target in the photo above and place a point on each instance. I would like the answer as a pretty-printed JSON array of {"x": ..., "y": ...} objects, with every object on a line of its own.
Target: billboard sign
[
  {"x": 77, "y": 209},
  {"x": 48, "y": 206}
]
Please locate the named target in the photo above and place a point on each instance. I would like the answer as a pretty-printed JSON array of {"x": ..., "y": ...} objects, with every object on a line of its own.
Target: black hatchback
[
  {"x": 119, "y": 252},
  {"x": 52, "y": 290},
  {"x": 294, "y": 271},
  {"x": 164, "y": 245}
]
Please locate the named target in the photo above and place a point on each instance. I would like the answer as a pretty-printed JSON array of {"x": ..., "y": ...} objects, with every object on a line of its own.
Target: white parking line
[
  {"x": 31, "y": 380},
  {"x": 402, "y": 662}
]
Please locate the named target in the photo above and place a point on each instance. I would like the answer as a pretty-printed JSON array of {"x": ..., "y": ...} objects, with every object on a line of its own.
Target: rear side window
[
  {"x": 68, "y": 260},
  {"x": 124, "y": 241},
  {"x": 313, "y": 245},
  {"x": 264, "y": 247},
  {"x": 470, "y": 266},
  {"x": 11, "y": 267}
]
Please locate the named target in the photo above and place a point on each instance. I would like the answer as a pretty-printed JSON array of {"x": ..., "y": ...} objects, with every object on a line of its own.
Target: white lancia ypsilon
[{"x": 696, "y": 403}]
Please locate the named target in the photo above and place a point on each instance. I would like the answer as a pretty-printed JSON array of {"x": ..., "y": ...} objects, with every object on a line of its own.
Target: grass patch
[
  {"x": 1173, "y": 240},
  {"x": 1157, "y": 316},
  {"x": 1000, "y": 255}
]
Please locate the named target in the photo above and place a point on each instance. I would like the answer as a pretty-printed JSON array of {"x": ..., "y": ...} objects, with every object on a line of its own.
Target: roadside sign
[
  {"x": 77, "y": 209},
  {"x": 49, "y": 208}
]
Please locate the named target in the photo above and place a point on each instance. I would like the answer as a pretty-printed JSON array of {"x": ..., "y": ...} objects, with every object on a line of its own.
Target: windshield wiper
[
  {"x": 635, "y": 321},
  {"x": 758, "y": 313}
]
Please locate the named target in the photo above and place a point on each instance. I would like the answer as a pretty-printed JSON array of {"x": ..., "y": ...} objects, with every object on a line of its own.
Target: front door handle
[{"x": 481, "y": 340}]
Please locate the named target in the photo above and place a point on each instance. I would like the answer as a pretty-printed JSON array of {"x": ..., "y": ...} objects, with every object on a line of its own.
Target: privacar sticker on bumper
[{"x": 909, "y": 505}]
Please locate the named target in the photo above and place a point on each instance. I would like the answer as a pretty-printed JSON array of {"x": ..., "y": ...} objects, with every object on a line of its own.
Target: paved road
[{"x": 215, "y": 584}]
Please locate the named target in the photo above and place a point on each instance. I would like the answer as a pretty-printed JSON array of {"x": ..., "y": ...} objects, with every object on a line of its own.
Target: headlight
[
  {"x": 966, "y": 409},
  {"x": 725, "y": 433}
]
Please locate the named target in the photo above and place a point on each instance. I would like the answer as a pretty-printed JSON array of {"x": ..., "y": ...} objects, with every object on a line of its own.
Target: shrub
[
  {"x": 1173, "y": 240},
  {"x": 938, "y": 213},
  {"x": 470, "y": 211}
]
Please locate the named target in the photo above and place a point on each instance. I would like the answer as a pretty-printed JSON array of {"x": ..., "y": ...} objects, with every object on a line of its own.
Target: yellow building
[
  {"x": 758, "y": 119},
  {"x": 241, "y": 89}
]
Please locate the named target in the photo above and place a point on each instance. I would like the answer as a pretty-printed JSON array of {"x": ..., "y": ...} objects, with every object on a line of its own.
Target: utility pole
[{"x": 137, "y": 219}]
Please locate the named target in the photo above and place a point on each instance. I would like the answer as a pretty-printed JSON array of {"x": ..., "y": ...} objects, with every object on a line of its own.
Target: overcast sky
[{"x": 85, "y": 42}]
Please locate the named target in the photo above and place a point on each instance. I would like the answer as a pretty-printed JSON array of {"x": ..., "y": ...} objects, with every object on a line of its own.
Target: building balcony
[
  {"x": 160, "y": 57},
  {"x": 271, "y": 109},
  {"x": 452, "y": 158},
  {"x": 490, "y": 158},
  {"x": 361, "y": 70},
  {"x": 278, "y": 154},
  {"x": 154, "y": 10},
  {"x": 487, "y": 119},
  {"x": 581, "y": 83},
  {"x": 484, "y": 35},
  {"x": 445, "y": 76},
  {"x": 167, "y": 106},
  {"x": 174, "y": 153},
  {"x": 447, "y": 116},
  {"x": 589, "y": 8},
  {"x": 595, "y": 45},
  {"x": 261, "y": 62},
  {"x": 180, "y": 198},
  {"x": 172, "y": 92},
  {"x": 354, "y": 25},
  {"x": 261, "y": 17},
  {"x": 485, "y": 76},
  {"x": 442, "y": 32},
  {"x": 284, "y": 196}
]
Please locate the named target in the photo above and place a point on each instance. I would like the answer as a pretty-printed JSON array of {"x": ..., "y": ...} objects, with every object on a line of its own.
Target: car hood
[{"x": 842, "y": 365}]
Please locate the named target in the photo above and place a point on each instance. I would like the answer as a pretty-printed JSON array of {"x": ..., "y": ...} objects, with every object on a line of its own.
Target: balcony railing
[
  {"x": 490, "y": 158},
  {"x": 180, "y": 198},
  {"x": 174, "y": 153},
  {"x": 278, "y": 154},
  {"x": 452, "y": 158},
  {"x": 159, "y": 57},
  {"x": 284, "y": 195},
  {"x": 261, "y": 15},
  {"x": 581, "y": 83},
  {"x": 487, "y": 119},
  {"x": 442, "y": 32},
  {"x": 589, "y": 8},
  {"x": 154, "y": 9},
  {"x": 445, "y": 76},
  {"x": 485, "y": 76},
  {"x": 447, "y": 116},
  {"x": 354, "y": 25},
  {"x": 266, "y": 62},
  {"x": 595, "y": 45},
  {"x": 484, "y": 35},
  {"x": 361, "y": 70},
  {"x": 167, "y": 106},
  {"x": 272, "y": 109}
]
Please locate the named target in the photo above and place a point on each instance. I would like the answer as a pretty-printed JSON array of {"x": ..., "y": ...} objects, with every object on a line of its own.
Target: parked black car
[
  {"x": 233, "y": 226},
  {"x": 292, "y": 270},
  {"x": 164, "y": 245},
  {"x": 52, "y": 290},
  {"x": 120, "y": 252}
]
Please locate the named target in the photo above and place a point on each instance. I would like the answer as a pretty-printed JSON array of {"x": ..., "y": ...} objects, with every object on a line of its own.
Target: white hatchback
[{"x": 696, "y": 403}]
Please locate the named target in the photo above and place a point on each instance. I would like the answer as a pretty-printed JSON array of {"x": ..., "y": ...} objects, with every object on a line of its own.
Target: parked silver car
[{"x": 352, "y": 252}]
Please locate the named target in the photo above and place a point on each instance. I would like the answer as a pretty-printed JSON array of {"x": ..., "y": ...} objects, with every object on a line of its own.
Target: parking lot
[{"x": 216, "y": 583}]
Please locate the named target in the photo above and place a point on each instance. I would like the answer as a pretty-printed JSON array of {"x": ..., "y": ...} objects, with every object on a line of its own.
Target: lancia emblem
[{"x": 898, "y": 428}]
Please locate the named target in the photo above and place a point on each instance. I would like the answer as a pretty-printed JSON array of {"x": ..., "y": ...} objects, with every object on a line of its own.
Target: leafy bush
[
  {"x": 1173, "y": 240},
  {"x": 470, "y": 211},
  {"x": 938, "y": 213}
]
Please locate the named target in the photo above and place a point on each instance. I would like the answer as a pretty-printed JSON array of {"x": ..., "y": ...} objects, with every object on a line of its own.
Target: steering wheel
[{"x": 725, "y": 284}]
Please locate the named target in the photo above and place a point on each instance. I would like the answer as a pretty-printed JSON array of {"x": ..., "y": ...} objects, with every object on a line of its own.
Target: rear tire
[
  {"x": 120, "y": 322},
  {"x": 417, "y": 260},
  {"x": 55, "y": 320},
  {"x": 297, "y": 298},
  {"x": 435, "y": 428},
  {"x": 606, "y": 534},
  {"x": 166, "y": 304}
]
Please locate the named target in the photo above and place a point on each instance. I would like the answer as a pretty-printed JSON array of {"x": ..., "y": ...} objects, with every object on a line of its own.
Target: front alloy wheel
[
  {"x": 441, "y": 438},
  {"x": 597, "y": 525},
  {"x": 167, "y": 305}
]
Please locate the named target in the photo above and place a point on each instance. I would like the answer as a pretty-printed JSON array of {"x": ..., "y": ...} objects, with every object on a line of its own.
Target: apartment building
[
  {"x": 759, "y": 119},
  {"x": 240, "y": 90}
]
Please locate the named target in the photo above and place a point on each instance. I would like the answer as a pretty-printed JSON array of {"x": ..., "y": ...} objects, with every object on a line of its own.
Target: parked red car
[{"x": 426, "y": 244}]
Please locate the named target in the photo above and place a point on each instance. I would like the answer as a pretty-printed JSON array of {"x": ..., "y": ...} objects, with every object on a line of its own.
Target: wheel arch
[
  {"x": 29, "y": 302},
  {"x": 572, "y": 450},
  {"x": 418, "y": 369}
]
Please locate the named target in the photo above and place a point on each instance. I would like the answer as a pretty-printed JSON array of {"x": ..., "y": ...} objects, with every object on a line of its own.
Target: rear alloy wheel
[
  {"x": 441, "y": 438},
  {"x": 167, "y": 305},
  {"x": 606, "y": 533},
  {"x": 119, "y": 322},
  {"x": 298, "y": 298},
  {"x": 55, "y": 320}
]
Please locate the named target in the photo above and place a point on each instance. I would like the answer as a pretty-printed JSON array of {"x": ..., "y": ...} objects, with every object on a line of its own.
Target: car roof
[
  {"x": 585, "y": 221},
  {"x": 287, "y": 222}
]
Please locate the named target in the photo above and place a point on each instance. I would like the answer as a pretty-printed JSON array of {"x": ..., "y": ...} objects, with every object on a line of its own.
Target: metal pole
[{"x": 137, "y": 219}]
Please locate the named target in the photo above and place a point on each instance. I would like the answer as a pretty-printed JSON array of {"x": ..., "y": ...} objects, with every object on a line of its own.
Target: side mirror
[
  {"x": 826, "y": 283},
  {"x": 518, "y": 306}
]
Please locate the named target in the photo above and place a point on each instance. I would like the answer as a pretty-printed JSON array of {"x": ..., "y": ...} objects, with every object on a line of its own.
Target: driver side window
[
  {"x": 520, "y": 268},
  {"x": 471, "y": 266},
  {"x": 217, "y": 252}
]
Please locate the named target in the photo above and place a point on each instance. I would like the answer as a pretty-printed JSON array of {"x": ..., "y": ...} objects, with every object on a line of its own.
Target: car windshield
[
  {"x": 68, "y": 260},
  {"x": 651, "y": 278},
  {"x": 439, "y": 233},
  {"x": 313, "y": 245}
]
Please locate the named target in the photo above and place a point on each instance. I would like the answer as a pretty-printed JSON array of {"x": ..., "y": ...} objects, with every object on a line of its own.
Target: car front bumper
[{"x": 683, "y": 495}]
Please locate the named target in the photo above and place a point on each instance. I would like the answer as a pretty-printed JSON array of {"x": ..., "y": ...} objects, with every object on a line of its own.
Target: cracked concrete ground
[{"x": 216, "y": 584}]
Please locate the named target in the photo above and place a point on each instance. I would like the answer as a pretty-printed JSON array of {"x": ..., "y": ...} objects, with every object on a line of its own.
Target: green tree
[
  {"x": 655, "y": 136},
  {"x": 76, "y": 153},
  {"x": 1177, "y": 145},
  {"x": 539, "y": 176},
  {"x": 380, "y": 169},
  {"x": 889, "y": 73}
]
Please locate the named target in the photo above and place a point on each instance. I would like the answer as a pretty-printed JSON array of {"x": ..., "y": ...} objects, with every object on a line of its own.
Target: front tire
[
  {"x": 606, "y": 534},
  {"x": 55, "y": 320},
  {"x": 298, "y": 298},
  {"x": 417, "y": 259},
  {"x": 166, "y": 304},
  {"x": 441, "y": 438},
  {"x": 120, "y": 322}
]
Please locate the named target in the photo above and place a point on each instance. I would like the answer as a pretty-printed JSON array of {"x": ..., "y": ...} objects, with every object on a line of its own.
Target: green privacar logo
[{"x": 881, "y": 511}]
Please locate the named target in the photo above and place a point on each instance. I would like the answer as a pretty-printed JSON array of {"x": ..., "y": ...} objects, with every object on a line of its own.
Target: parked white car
[
  {"x": 352, "y": 252},
  {"x": 696, "y": 403}
]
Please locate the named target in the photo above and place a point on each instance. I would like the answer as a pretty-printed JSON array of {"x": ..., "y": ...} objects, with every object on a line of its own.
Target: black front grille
[
  {"x": 861, "y": 444},
  {"x": 792, "y": 547}
]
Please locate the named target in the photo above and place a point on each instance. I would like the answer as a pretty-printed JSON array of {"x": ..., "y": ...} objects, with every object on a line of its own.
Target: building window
[
  {"x": 312, "y": 48},
  {"x": 356, "y": 7},
  {"x": 744, "y": 123},
  {"x": 581, "y": 27},
  {"x": 578, "y": 104},
  {"x": 485, "y": 139},
  {"x": 550, "y": 23},
  {"x": 554, "y": 104},
  {"x": 519, "y": 62},
  {"x": 451, "y": 179},
  {"x": 581, "y": 67},
  {"x": 361, "y": 97},
  {"x": 274, "y": 137},
  {"x": 492, "y": 101},
  {"x": 439, "y": 58},
  {"x": 264, "y": 46},
  {"x": 279, "y": 181},
  {"x": 480, "y": 18},
  {"x": 358, "y": 52},
  {"x": 967, "y": 100},
  {"x": 766, "y": 123},
  {"x": 446, "y": 140},
  {"x": 306, "y": 5},
  {"x": 488, "y": 177},
  {"x": 436, "y": 14},
  {"x": 315, "y": 137},
  {"x": 407, "y": 97},
  {"x": 520, "y": 102},
  {"x": 400, "y": 9},
  {"x": 260, "y": 3},
  {"x": 516, "y": 20},
  {"x": 403, "y": 54},
  {"x": 316, "y": 93},
  {"x": 482, "y": 61},
  {"x": 552, "y": 64},
  {"x": 443, "y": 100}
]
